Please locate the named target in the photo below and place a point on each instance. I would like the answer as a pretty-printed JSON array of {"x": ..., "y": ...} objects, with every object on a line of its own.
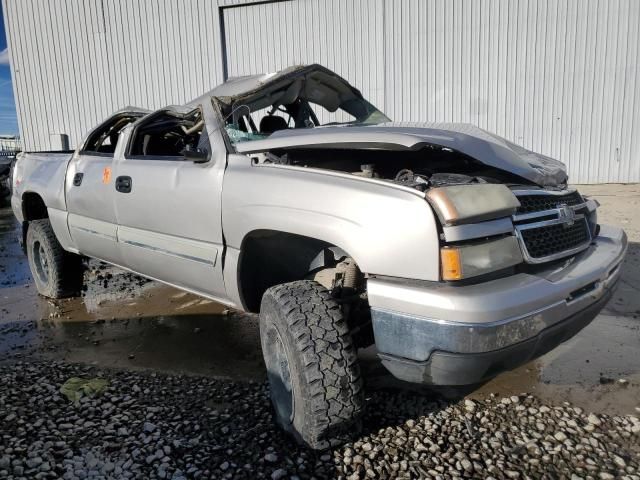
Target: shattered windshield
[{"x": 315, "y": 99}]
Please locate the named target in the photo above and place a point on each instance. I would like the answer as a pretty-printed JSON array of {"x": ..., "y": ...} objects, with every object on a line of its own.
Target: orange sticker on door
[{"x": 106, "y": 175}]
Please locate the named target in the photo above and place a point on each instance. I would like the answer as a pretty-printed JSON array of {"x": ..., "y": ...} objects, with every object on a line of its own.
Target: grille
[
  {"x": 551, "y": 239},
  {"x": 538, "y": 203}
]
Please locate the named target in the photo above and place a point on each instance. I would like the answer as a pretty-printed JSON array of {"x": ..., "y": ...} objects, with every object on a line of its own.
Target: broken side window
[
  {"x": 168, "y": 134},
  {"x": 103, "y": 140},
  {"x": 314, "y": 100}
]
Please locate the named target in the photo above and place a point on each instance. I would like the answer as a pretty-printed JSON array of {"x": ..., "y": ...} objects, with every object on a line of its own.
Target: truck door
[
  {"x": 168, "y": 203},
  {"x": 90, "y": 190}
]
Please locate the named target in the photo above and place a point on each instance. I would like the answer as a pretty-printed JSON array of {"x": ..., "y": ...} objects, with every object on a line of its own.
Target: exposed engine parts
[
  {"x": 422, "y": 181},
  {"x": 422, "y": 169},
  {"x": 367, "y": 170},
  {"x": 409, "y": 179}
]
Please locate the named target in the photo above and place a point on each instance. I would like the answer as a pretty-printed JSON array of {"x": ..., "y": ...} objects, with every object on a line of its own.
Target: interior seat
[
  {"x": 161, "y": 146},
  {"x": 272, "y": 123}
]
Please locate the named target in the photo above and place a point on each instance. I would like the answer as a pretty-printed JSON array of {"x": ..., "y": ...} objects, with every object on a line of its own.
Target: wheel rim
[
  {"x": 280, "y": 378},
  {"x": 41, "y": 262}
]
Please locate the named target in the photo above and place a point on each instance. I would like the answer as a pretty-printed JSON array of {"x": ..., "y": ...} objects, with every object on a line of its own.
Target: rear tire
[
  {"x": 56, "y": 273},
  {"x": 312, "y": 365}
]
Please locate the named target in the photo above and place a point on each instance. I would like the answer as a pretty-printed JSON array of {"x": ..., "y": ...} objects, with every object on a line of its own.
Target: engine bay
[{"x": 430, "y": 166}]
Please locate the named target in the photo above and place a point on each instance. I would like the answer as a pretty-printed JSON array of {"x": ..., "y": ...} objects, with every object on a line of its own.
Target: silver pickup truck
[
  {"x": 5, "y": 173},
  {"x": 456, "y": 252}
]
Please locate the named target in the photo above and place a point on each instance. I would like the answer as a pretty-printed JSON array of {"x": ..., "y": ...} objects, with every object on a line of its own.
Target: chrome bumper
[{"x": 412, "y": 320}]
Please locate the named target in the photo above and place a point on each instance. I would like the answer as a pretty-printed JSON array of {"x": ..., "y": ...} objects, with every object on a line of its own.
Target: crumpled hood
[{"x": 479, "y": 144}]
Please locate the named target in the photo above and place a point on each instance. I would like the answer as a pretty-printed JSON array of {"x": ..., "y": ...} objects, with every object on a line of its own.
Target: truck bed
[{"x": 44, "y": 173}]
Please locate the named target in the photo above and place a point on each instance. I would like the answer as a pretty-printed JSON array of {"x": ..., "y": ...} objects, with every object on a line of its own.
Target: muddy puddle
[{"x": 124, "y": 321}]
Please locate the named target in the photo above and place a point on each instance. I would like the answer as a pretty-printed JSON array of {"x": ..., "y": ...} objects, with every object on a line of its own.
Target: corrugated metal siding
[
  {"x": 558, "y": 76},
  {"x": 75, "y": 61},
  {"x": 271, "y": 36}
]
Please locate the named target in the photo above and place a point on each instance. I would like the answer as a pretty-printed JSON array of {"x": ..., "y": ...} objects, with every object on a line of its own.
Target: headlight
[
  {"x": 458, "y": 204},
  {"x": 466, "y": 261}
]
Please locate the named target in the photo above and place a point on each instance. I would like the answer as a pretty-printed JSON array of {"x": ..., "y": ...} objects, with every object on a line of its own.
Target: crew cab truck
[
  {"x": 5, "y": 174},
  {"x": 456, "y": 252}
]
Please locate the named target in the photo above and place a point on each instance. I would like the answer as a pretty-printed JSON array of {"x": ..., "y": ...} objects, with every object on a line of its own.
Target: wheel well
[
  {"x": 33, "y": 208},
  {"x": 271, "y": 257}
]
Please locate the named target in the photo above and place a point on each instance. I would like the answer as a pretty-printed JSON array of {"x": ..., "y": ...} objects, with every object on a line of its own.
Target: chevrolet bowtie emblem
[{"x": 566, "y": 213}]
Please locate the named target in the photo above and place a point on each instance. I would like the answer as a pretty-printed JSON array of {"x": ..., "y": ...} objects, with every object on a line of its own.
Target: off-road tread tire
[
  {"x": 328, "y": 388},
  {"x": 65, "y": 269}
]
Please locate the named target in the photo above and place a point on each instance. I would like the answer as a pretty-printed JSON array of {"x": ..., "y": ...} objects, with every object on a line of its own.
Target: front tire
[
  {"x": 56, "y": 273},
  {"x": 312, "y": 365}
]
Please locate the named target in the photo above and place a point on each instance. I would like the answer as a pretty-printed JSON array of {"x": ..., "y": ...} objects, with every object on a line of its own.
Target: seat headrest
[{"x": 272, "y": 123}]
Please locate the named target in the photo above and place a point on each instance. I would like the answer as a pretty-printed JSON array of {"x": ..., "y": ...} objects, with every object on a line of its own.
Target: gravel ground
[{"x": 150, "y": 425}]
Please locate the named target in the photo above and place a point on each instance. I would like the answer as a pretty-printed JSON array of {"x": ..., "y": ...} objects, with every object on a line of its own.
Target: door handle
[
  {"x": 123, "y": 184},
  {"x": 77, "y": 179}
]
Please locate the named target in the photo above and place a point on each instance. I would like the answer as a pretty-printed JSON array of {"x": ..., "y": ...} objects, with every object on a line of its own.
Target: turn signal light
[
  {"x": 471, "y": 260},
  {"x": 451, "y": 263}
]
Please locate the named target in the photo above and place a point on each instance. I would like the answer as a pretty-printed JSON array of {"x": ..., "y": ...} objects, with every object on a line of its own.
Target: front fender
[{"x": 389, "y": 230}]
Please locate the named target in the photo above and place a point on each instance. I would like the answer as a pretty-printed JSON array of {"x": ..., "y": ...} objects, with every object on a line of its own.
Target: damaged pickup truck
[
  {"x": 456, "y": 252},
  {"x": 5, "y": 180}
]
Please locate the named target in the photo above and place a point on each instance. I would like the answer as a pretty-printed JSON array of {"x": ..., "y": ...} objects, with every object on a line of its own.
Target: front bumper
[{"x": 456, "y": 335}]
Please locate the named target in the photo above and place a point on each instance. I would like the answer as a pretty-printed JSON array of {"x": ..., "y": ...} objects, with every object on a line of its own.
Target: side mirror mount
[{"x": 196, "y": 155}]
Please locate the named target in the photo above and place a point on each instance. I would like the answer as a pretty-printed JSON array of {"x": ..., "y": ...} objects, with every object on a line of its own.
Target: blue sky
[{"x": 8, "y": 120}]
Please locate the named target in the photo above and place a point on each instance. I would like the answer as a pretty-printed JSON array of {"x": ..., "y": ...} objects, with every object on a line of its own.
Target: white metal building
[{"x": 561, "y": 77}]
